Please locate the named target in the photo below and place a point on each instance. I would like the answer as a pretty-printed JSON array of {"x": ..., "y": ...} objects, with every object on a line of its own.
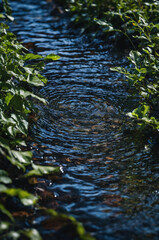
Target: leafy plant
[
  {"x": 136, "y": 24},
  {"x": 143, "y": 72},
  {"x": 19, "y": 72}
]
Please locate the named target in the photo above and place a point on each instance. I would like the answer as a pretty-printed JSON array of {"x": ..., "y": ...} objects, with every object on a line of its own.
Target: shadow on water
[{"x": 109, "y": 179}]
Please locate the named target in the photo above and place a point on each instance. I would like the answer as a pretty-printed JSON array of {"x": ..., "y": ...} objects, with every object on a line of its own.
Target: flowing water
[{"x": 109, "y": 180}]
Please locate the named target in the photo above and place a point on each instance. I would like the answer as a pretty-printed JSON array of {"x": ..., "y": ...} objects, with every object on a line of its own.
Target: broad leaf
[
  {"x": 21, "y": 157},
  {"x": 31, "y": 56},
  {"x": 4, "y": 177},
  {"x": 25, "y": 197},
  {"x": 42, "y": 170}
]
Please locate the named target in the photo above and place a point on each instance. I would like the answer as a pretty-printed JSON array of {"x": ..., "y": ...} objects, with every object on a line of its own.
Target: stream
[{"x": 109, "y": 179}]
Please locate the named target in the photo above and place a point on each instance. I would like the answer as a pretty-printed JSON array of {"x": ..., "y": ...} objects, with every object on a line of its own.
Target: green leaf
[
  {"x": 2, "y": 187},
  {"x": 6, "y": 212},
  {"x": 8, "y": 98},
  {"x": 42, "y": 78},
  {"x": 13, "y": 235},
  {"x": 4, "y": 177},
  {"x": 16, "y": 102},
  {"x": 6, "y": 7},
  {"x": 21, "y": 123},
  {"x": 102, "y": 23},
  {"x": 26, "y": 94},
  {"x": 21, "y": 157},
  {"x": 1, "y": 15},
  {"x": 10, "y": 17},
  {"x": 52, "y": 57},
  {"x": 13, "y": 125},
  {"x": 4, "y": 143},
  {"x": 134, "y": 57},
  {"x": 4, "y": 226},
  {"x": 140, "y": 112},
  {"x": 31, "y": 56},
  {"x": 34, "y": 80},
  {"x": 42, "y": 170},
  {"x": 25, "y": 197},
  {"x": 32, "y": 234}
]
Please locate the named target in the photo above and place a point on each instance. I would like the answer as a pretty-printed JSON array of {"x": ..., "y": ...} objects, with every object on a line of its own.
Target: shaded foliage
[
  {"x": 19, "y": 72},
  {"x": 134, "y": 23}
]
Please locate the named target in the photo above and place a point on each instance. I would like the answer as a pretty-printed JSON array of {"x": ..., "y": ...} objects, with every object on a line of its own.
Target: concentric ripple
[{"x": 109, "y": 181}]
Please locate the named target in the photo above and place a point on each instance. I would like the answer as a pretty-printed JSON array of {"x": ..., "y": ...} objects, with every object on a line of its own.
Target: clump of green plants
[
  {"x": 20, "y": 71},
  {"x": 143, "y": 72},
  {"x": 136, "y": 24}
]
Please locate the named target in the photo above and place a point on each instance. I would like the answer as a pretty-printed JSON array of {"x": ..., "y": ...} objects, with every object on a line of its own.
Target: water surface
[{"x": 110, "y": 181}]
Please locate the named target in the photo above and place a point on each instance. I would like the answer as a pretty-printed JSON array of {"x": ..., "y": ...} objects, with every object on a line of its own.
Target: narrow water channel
[{"x": 109, "y": 182}]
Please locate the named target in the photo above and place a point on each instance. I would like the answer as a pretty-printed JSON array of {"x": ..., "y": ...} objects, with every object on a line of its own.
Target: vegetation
[
  {"x": 20, "y": 71},
  {"x": 136, "y": 23}
]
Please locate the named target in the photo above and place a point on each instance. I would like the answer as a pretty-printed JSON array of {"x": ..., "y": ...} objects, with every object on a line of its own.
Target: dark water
[{"x": 110, "y": 180}]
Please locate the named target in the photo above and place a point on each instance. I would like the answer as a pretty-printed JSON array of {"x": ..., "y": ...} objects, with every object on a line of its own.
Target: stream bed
[{"x": 110, "y": 179}]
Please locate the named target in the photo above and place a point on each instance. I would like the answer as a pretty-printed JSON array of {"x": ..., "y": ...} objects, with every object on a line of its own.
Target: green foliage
[
  {"x": 19, "y": 71},
  {"x": 143, "y": 72},
  {"x": 134, "y": 23},
  {"x": 42, "y": 170}
]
